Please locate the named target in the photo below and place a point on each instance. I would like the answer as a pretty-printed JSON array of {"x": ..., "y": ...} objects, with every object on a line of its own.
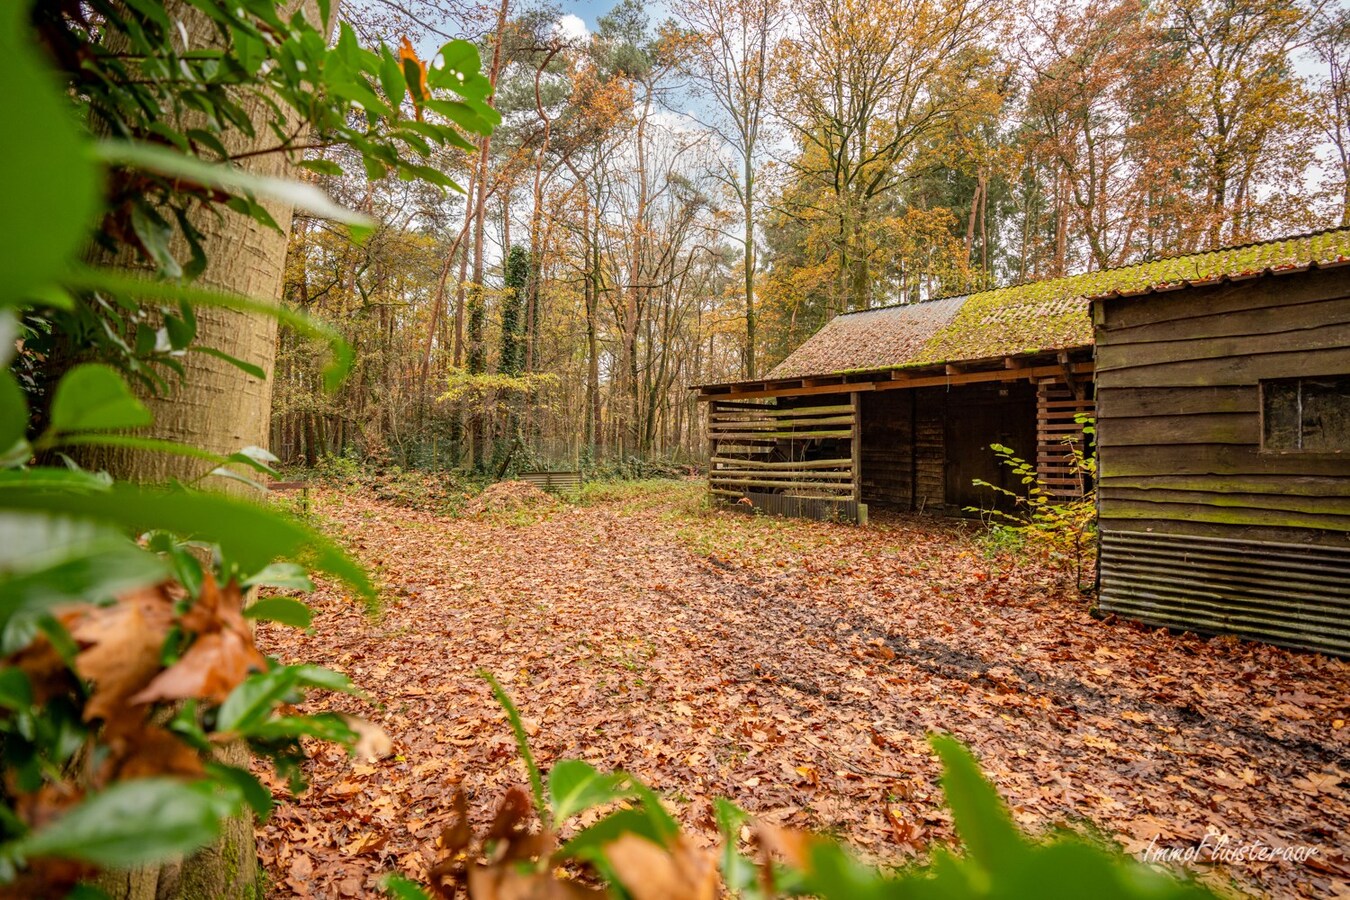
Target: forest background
[{"x": 680, "y": 195}]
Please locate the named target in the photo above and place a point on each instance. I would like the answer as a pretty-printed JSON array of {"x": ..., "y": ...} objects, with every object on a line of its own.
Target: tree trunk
[{"x": 221, "y": 409}]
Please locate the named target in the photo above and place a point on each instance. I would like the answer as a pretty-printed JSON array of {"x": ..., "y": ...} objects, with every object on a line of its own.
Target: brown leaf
[
  {"x": 456, "y": 836},
  {"x": 213, "y": 666},
  {"x": 148, "y": 750},
  {"x": 414, "y": 73},
  {"x": 123, "y": 643},
  {"x": 512, "y": 825},
  {"x": 651, "y": 872},
  {"x": 505, "y": 882},
  {"x": 372, "y": 741}
]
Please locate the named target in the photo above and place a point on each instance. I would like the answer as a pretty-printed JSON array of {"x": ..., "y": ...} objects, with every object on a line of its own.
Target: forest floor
[{"x": 793, "y": 667}]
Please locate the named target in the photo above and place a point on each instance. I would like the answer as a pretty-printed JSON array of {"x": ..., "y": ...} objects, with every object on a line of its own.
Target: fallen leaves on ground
[
  {"x": 508, "y": 496},
  {"x": 794, "y": 668}
]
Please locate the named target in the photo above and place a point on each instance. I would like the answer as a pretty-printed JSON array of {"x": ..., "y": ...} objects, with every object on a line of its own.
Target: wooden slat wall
[
  {"x": 1058, "y": 433},
  {"x": 930, "y": 451},
  {"x": 802, "y": 450},
  {"x": 888, "y": 449},
  {"x": 1178, "y": 432}
]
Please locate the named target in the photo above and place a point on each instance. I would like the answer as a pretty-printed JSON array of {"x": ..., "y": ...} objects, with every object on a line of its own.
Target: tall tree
[
  {"x": 1331, "y": 100},
  {"x": 729, "y": 55},
  {"x": 861, "y": 84},
  {"x": 1244, "y": 104}
]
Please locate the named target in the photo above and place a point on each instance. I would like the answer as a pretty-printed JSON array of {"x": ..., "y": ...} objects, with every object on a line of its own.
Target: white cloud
[{"x": 572, "y": 27}]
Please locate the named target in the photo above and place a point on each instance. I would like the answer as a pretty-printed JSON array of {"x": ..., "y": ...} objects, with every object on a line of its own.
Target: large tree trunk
[{"x": 219, "y": 408}]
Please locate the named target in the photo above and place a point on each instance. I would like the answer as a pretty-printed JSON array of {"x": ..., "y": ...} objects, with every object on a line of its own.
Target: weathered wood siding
[
  {"x": 1201, "y": 528},
  {"x": 888, "y": 449},
  {"x": 930, "y": 450}
]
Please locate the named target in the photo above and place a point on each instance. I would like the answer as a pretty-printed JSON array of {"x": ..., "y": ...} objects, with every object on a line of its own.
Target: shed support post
[
  {"x": 855, "y": 445},
  {"x": 712, "y": 448}
]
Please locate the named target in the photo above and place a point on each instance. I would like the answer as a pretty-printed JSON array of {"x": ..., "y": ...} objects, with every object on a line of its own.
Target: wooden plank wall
[
  {"x": 888, "y": 449},
  {"x": 1178, "y": 403},
  {"x": 1058, "y": 433},
  {"x": 805, "y": 451},
  {"x": 1181, "y": 464},
  {"x": 930, "y": 450}
]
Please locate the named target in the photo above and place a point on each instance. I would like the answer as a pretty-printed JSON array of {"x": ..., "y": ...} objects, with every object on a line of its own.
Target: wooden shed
[
  {"x": 897, "y": 407},
  {"x": 1223, "y": 406}
]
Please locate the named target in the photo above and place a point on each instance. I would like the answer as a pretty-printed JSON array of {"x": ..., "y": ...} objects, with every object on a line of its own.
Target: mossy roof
[{"x": 1036, "y": 317}]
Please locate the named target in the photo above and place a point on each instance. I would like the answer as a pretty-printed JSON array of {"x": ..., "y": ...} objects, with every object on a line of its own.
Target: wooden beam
[
  {"x": 888, "y": 382},
  {"x": 773, "y": 424},
  {"x": 784, "y": 435},
  {"x": 795, "y": 391},
  {"x": 984, "y": 375},
  {"x": 805, "y": 464},
  {"x": 790, "y": 485},
  {"x": 1011, "y": 363},
  {"x": 855, "y": 449},
  {"x": 1073, "y": 383},
  {"x": 776, "y": 412}
]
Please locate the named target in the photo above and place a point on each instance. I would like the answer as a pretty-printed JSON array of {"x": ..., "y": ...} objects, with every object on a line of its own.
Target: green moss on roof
[
  {"x": 1030, "y": 318},
  {"x": 1052, "y": 315}
]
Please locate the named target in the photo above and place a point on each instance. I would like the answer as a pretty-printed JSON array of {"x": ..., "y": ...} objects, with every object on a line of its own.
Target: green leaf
[
  {"x": 982, "y": 821},
  {"x": 71, "y": 479},
  {"x": 13, "y": 411},
  {"x": 391, "y": 77},
  {"x": 250, "y": 368},
  {"x": 738, "y": 872},
  {"x": 286, "y": 610},
  {"x": 249, "y": 535},
  {"x": 155, "y": 234},
  {"x": 136, "y": 287},
  {"x": 324, "y": 167},
  {"x": 129, "y": 824},
  {"x": 324, "y": 726},
  {"x": 461, "y": 114},
  {"x": 15, "y": 691},
  {"x": 522, "y": 742},
  {"x": 319, "y": 677},
  {"x": 575, "y": 786},
  {"x": 401, "y": 888},
  {"x": 281, "y": 575},
  {"x": 49, "y": 182},
  {"x": 249, "y": 789},
  {"x": 252, "y": 702},
  {"x": 231, "y": 475},
  {"x": 93, "y": 397},
  {"x": 132, "y": 442},
  {"x": 589, "y": 843},
  {"x": 255, "y": 458},
  {"x": 48, "y": 559},
  {"x": 227, "y": 178}
]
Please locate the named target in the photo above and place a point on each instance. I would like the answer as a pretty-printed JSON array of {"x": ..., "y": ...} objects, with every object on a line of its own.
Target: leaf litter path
[{"x": 795, "y": 668}]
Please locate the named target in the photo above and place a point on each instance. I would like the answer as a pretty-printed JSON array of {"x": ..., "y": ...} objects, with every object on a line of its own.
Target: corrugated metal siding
[
  {"x": 553, "y": 481},
  {"x": 821, "y": 509},
  {"x": 1297, "y": 595}
]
